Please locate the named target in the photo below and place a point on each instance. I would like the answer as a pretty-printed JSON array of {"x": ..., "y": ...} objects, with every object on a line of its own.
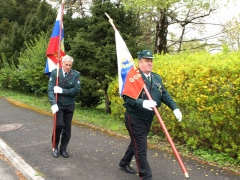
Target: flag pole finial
[{"x": 111, "y": 21}]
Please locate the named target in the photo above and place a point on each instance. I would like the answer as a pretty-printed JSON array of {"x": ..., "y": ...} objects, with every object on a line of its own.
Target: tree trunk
[
  {"x": 161, "y": 34},
  {"x": 107, "y": 102}
]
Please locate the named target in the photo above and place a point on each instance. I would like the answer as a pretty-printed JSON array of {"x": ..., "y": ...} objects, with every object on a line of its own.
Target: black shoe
[
  {"x": 64, "y": 153},
  {"x": 55, "y": 153},
  {"x": 127, "y": 168}
]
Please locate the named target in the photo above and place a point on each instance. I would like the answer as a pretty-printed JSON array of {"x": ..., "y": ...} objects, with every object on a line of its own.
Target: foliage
[
  {"x": 8, "y": 74},
  {"x": 213, "y": 156},
  {"x": 90, "y": 95},
  {"x": 20, "y": 21},
  {"x": 31, "y": 70},
  {"x": 117, "y": 108},
  {"x": 231, "y": 37},
  {"x": 71, "y": 28},
  {"x": 206, "y": 89}
]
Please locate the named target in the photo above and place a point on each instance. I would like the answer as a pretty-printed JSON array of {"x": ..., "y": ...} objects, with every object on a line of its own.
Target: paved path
[{"x": 94, "y": 155}]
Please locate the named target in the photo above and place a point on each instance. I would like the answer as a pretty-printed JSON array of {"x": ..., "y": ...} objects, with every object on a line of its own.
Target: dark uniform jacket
[
  {"x": 70, "y": 85},
  {"x": 158, "y": 93}
]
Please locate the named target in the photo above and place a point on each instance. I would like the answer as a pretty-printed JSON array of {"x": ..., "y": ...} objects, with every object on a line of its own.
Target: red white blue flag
[
  {"x": 56, "y": 45},
  {"x": 129, "y": 78}
]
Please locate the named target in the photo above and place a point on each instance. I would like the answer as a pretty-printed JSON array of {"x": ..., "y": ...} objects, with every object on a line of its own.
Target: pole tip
[
  {"x": 186, "y": 175},
  {"x": 107, "y": 16},
  {"x": 111, "y": 21}
]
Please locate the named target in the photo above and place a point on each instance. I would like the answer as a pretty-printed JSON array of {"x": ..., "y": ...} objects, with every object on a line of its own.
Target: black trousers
[
  {"x": 138, "y": 131},
  {"x": 63, "y": 125}
]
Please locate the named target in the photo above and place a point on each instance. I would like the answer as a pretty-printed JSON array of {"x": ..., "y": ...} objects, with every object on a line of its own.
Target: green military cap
[{"x": 145, "y": 54}]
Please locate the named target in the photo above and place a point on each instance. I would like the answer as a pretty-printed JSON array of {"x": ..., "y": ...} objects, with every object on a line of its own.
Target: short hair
[{"x": 67, "y": 57}]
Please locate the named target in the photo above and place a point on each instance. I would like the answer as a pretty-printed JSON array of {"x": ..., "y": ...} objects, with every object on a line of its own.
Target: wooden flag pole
[
  {"x": 59, "y": 57},
  {"x": 168, "y": 136}
]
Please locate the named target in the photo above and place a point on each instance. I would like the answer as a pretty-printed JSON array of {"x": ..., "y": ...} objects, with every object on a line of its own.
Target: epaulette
[
  {"x": 54, "y": 71},
  {"x": 154, "y": 73},
  {"x": 77, "y": 71}
]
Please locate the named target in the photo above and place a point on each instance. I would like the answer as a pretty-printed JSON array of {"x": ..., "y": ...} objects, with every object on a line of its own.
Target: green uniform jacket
[
  {"x": 69, "y": 84},
  {"x": 158, "y": 94}
]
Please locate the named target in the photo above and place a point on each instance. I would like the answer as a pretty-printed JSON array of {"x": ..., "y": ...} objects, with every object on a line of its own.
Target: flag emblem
[{"x": 129, "y": 78}]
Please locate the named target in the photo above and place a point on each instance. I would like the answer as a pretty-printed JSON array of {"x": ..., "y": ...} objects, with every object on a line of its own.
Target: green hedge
[{"x": 206, "y": 89}]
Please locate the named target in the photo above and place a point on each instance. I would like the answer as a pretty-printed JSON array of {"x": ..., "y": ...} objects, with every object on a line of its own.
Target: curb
[{"x": 18, "y": 162}]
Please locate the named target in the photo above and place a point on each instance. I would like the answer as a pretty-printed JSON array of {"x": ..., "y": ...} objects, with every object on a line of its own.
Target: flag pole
[
  {"x": 160, "y": 120},
  {"x": 59, "y": 57},
  {"x": 168, "y": 136}
]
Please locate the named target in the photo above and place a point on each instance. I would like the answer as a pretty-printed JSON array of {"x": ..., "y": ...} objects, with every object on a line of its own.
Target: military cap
[{"x": 145, "y": 54}]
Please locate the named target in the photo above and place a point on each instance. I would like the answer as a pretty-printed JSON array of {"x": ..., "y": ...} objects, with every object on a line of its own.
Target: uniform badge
[{"x": 159, "y": 87}]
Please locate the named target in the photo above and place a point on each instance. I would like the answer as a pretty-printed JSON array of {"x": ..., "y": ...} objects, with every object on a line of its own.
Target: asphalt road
[{"x": 93, "y": 154}]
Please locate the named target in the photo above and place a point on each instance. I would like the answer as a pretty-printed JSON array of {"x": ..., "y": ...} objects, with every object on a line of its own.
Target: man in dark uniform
[
  {"x": 68, "y": 87},
  {"x": 139, "y": 115}
]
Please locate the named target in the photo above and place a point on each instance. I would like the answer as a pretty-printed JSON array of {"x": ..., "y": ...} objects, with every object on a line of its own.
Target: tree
[
  {"x": 42, "y": 19},
  {"x": 231, "y": 34},
  {"x": 71, "y": 27},
  {"x": 159, "y": 16},
  {"x": 20, "y": 21}
]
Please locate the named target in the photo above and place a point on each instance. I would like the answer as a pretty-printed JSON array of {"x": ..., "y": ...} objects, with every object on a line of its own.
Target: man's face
[
  {"x": 67, "y": 65},
  {"x": 145, "y": 65}
]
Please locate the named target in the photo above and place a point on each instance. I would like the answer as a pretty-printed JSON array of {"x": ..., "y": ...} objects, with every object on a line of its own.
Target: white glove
[
  {"x": 54, "y": 108},
  {"x": 178, "y": 114},
  {"x": 149, "y": 104},
  {"x": 57, "y": 89}
]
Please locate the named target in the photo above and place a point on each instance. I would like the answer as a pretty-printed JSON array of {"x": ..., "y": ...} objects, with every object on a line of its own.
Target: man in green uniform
[
  {"x": 139, "y": 115},
  {"x": 68, "y": 87}
]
